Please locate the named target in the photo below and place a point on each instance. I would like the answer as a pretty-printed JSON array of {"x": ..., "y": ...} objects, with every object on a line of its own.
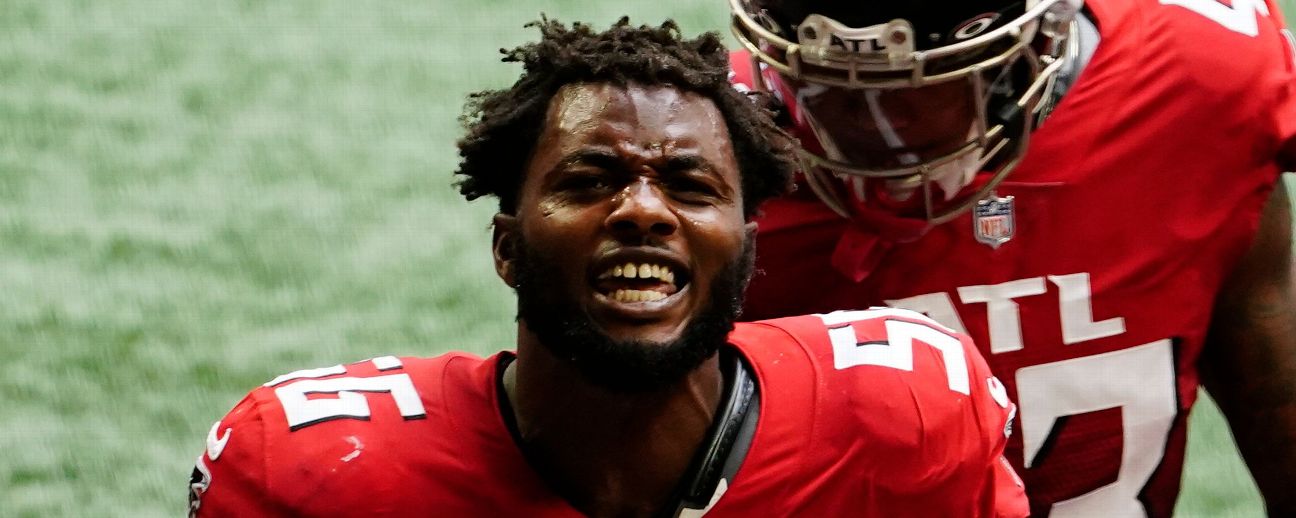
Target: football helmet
[{"x": 918, "y": 108}]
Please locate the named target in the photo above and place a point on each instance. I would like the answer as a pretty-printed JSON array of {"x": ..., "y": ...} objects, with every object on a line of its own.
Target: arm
[{"x": 1249, "y": 361}]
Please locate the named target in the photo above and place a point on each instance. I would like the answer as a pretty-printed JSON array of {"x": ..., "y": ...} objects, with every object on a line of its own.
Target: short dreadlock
[{"x": 503, "y": 126}]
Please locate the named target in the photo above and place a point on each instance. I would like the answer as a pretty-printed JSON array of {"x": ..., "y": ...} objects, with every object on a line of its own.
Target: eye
[
  {"x": 584, "y": 182},
  {"x": 692, "y": 190}
]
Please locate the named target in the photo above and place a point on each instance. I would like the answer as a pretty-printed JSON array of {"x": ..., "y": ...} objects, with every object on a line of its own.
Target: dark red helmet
[{"x": 909, "y": 98}]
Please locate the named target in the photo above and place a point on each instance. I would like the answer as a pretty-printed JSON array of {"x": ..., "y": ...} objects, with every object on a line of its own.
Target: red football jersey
[
  {"x": 870, "y": 413},
  {"x": 1137, "y": 197}
]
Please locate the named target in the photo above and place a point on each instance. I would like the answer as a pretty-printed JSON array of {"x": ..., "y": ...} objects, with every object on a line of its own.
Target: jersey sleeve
[
  {"x": 922, "y": 398},
  {"x": 324, "y": 442},
  {"x": 1004, "y": 493},
  {"x": 1009, "y": 491},
  {"x": 229, "y": 477}
]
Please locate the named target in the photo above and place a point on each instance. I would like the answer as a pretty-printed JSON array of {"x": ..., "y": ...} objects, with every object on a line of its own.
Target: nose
[{"x": 641, "y": 210}]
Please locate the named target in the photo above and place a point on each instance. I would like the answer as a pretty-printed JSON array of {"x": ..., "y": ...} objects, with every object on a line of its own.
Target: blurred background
[{"x": 198, "y": 196}]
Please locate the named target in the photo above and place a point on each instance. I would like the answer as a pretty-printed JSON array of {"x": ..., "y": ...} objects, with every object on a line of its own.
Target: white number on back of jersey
[
  {"x": 1140, "y": 381},
  {"x": 897, "y": 351},
  {"x": 1240, "y": 17}
]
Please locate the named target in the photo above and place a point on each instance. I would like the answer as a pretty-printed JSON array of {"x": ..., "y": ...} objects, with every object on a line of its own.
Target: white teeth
[
  {"x": 637, "y": 295},
  {"x": 640, "y": 271}
]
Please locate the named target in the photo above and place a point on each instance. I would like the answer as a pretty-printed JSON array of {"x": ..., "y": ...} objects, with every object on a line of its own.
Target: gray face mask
[{"x": 951, "y": 176}]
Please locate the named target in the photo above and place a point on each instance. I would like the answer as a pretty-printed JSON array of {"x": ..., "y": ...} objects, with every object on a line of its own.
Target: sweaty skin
[
  {"x": 622, "y": 174},
  {"x": 607, "y": 173},
  {"x": 1249, "y": 361}
]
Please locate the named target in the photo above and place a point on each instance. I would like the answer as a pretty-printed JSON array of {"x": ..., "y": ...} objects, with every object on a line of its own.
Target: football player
[
  {"x": 627, "y": 172},
  {"x": 1087, "y": 189}
]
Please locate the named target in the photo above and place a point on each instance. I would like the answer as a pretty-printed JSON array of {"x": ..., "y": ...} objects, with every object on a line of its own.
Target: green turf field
[{"x": 198, "y": 196}]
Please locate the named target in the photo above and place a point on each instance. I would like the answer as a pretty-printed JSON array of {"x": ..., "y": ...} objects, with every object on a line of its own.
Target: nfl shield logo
[{"x": 992, "y": 220}]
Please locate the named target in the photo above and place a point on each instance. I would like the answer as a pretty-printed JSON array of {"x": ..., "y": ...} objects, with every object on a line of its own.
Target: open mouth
[{"x": 640, "y": 281}]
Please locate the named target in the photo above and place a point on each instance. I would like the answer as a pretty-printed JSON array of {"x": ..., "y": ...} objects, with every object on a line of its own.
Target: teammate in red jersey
[
  {"x": 625, "y": 228},
  {"x": 1107, "y": 259}
]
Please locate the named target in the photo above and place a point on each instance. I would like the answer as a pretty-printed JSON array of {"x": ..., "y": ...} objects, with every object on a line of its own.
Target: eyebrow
[
  {"x": 597, "y": 157},
  {"x": 606, "y": 159},
  {"x": 681, "y": 165},
  {"x": 677, "y": 163}
]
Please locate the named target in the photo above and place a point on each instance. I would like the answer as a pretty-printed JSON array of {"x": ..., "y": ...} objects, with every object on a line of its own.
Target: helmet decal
[{"x": 974, "y": 27}]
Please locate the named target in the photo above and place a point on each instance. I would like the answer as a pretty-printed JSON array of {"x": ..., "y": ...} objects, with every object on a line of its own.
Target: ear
[
  {"x": 750, "y": 229},
  {"x": 504, "y": 247}
]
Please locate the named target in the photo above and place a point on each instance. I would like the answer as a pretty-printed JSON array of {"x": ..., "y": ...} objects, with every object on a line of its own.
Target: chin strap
[{"x": 731, "y": 435}]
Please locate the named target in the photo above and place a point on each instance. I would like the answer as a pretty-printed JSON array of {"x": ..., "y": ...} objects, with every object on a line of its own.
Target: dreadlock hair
[{"x": 503, "y": 126}]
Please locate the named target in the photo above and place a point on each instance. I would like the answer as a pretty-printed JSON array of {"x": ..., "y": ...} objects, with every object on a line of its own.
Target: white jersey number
[
  {"x": 349, "y": 403},
  {"x": 897, "y": 351},
  {"x": 1240, "y": 17},
  {"x": 1140, "y": 381},
  {"x": 348, "y": 400}
]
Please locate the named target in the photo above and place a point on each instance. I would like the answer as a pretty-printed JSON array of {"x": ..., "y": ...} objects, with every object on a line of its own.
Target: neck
[{"x": 608, "y": 453}]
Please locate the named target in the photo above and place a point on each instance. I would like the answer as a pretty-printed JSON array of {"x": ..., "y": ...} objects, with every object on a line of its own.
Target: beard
[{"x": 549, "y": 307}]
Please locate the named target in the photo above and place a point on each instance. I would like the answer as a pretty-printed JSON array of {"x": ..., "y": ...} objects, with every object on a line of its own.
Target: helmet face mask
[{"x": 900, "y": 105}]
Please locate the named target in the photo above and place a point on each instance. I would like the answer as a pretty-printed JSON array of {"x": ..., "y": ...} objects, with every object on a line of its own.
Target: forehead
[
  {"x": 658, "y": 109},
  {"x": 634, "y": 121}
]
